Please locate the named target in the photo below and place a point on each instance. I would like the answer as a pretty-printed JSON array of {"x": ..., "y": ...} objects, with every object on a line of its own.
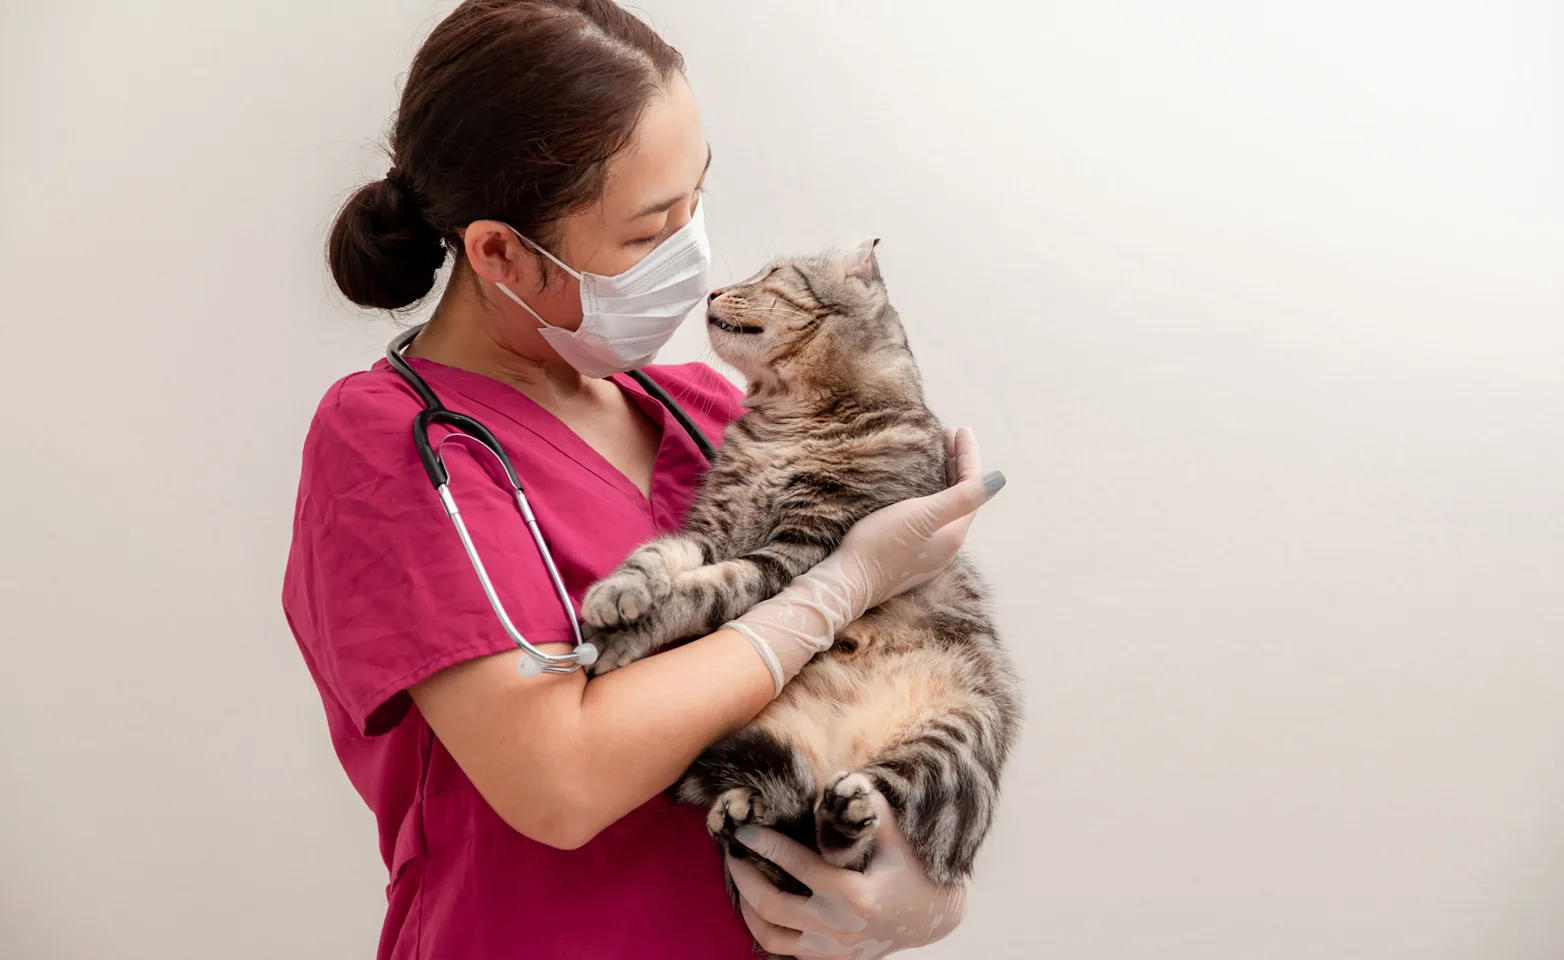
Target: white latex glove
[
  {"x": 886, "y": 553},
  {"x": 891, "y": 906}
]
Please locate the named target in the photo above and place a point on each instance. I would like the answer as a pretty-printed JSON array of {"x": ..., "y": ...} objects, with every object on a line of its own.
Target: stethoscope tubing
[{"x": 534, "y": 661}]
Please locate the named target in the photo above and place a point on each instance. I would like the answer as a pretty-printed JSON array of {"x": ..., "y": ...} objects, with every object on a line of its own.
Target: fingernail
[
  {"x": 993, "y": 482},
  {"x": 747, "y": 835}
]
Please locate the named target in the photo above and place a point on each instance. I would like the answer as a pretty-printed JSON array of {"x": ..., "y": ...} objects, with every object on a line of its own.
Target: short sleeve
[{"x": 379, "y": 590}]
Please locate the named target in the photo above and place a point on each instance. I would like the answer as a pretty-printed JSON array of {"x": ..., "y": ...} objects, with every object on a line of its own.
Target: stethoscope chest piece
[{"x": 585, "y": 655}]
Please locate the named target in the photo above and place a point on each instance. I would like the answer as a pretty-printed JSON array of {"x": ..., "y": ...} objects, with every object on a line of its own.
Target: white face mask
[{"x": 627, "y": 318}]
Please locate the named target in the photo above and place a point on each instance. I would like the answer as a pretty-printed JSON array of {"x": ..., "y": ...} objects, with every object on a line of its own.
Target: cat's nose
[{"x": 713, "y": 295}]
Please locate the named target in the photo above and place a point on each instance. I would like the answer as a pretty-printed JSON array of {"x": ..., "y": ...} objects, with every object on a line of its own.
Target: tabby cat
[{"x": 917, "y": 699}]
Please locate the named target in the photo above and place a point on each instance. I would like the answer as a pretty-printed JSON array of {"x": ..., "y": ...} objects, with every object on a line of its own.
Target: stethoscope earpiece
[{"x": 586, "y": 654}]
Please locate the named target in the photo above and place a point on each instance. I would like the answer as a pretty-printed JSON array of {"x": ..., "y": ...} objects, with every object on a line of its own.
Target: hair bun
[{"x": 383, "y": 252}]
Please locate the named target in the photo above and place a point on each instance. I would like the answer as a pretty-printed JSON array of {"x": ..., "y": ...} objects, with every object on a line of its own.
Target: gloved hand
[
  {"x": 890, "y": 906},
  {"x": 886, "y": 553}
]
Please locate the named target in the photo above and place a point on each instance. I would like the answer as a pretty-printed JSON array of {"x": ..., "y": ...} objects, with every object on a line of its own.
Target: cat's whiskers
[{"x": 712, "y": 361}]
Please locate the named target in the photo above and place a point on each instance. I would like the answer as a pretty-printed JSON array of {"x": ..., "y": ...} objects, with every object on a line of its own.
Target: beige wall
[{"x": 1260, "y": 306}]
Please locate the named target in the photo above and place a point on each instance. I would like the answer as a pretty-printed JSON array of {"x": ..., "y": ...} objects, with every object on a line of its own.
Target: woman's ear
[
  {"x": 497, "y": 255},
  {"x": 861, "y": 262}
]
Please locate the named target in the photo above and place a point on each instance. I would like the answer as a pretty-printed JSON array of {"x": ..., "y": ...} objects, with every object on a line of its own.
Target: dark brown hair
[{"x": 511, "y": 112}]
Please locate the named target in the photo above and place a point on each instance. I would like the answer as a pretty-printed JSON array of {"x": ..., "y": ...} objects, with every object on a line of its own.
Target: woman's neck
[{"x": 470, "y": 334}]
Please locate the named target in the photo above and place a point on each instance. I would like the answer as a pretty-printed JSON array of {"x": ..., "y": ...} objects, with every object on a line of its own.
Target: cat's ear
[{"x": 861, "y": 262}]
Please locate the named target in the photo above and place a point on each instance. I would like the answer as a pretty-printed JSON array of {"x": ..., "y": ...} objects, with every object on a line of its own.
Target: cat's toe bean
[
  {"x": 733, "y": 809},
  {"x": 598, "y": 608},
  {"x": 633, "y": 602},
  {"x": 616, "y": 601},
  {"x": 845, "y": 820},
  {"x": 848, "y": 802}
]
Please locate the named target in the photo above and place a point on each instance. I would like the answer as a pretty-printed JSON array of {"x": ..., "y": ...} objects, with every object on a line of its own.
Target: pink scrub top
[{"x": 380, "y": 595}]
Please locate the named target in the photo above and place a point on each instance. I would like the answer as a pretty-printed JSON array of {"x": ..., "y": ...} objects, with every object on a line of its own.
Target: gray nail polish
[{"x": 993, "y": 482}]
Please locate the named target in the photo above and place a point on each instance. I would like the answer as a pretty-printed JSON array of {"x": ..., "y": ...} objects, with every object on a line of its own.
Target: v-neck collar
[{"x": 503, "y": 400}]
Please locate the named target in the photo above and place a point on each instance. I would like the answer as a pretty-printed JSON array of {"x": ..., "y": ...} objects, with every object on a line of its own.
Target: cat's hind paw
[
  {"x": 845, "y": 820},
  {"x": 735, "y": 808}
]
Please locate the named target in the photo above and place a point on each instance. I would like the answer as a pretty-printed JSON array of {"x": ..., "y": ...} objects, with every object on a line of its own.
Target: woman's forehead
[{"x": 664, "y": 161}]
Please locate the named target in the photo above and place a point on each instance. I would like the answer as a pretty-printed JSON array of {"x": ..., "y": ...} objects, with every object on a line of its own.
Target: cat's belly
[{"x": 844, "y": 710}]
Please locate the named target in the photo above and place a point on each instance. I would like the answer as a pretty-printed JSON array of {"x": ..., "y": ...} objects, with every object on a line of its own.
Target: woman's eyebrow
[{"x": 663, "y": 206}]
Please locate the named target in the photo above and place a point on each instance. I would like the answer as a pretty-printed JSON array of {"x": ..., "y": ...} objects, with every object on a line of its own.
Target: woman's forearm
[
  {"x": 560, "y": 759},
  {"x": 647, "y": 722}
]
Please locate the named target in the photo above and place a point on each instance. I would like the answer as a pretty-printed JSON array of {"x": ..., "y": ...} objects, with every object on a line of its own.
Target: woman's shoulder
[
  {"x": 361, "y": 428},
  {"x": 366, "y": 394},
  {"x": 700, "y": 389}
]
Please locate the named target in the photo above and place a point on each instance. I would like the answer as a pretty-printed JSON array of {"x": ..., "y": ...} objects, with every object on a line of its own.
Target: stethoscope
[{"x": 470, "y": 430}]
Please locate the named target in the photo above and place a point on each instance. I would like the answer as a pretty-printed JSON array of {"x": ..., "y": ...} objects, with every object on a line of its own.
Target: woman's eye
[{"x": 642, "y": 241}]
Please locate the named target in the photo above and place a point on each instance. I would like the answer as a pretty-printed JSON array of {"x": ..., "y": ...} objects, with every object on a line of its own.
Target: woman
[{"x": 539, "y": 142}]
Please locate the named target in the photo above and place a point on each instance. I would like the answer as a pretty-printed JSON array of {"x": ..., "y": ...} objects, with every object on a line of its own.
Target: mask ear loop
[
  {"x": 524, "y": 305},
  {"x": 557, "y": 262},
  {"x": 539, "y": 248}
]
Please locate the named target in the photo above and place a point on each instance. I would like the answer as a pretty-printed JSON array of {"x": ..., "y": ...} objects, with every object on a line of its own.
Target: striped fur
[{"x": 917, "y": 699}]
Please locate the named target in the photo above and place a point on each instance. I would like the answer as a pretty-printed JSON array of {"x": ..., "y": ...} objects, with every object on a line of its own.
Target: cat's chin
[
  {"x": 737, "y": 350},
  {"x": 751, "y": 372}
]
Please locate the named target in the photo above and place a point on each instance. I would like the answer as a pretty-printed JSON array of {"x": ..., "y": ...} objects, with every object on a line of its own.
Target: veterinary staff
[{"x": 550, "y": 148}]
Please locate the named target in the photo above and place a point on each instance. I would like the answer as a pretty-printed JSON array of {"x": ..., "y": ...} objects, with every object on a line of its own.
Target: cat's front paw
[
  {"x": 618, "y": 647},
  {"x": 845, "y": 821},
  {"x": 646, "y": 579},
  {"x": 623, "y": 598}
]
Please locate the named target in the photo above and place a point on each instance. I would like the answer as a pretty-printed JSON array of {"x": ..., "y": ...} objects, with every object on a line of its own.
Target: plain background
[{"x": 1260, "y": 306}]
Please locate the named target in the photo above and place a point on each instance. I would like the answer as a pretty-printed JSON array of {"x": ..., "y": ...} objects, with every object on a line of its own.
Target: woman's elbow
[
  {"x": 562, "y": 835},
  {"x": 562, "y": 820}
]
